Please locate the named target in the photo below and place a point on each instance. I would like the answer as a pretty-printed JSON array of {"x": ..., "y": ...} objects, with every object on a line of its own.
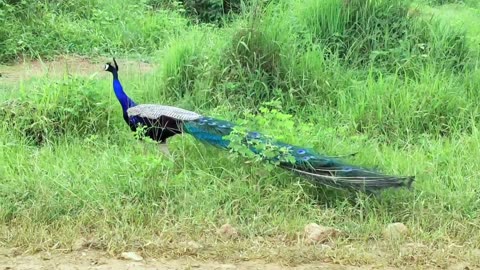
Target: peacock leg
[
  {"x": 145, "y": 151},
  {"x": 164, "y": 148}
]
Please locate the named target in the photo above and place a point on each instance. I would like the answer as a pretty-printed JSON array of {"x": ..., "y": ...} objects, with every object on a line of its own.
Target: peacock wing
[
  {"x": 154, "y": 111},
  {"x": 161, "y": 121}
]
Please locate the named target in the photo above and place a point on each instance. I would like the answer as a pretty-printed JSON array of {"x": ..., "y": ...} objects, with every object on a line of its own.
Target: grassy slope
[
  {"x": 120, "y": 193},
  {"x": 461, "y": 16}
]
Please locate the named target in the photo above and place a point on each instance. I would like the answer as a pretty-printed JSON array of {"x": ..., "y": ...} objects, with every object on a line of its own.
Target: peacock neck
[{"x": 122, "y": 97}]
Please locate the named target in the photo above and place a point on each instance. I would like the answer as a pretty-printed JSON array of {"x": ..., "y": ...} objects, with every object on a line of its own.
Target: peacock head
[{"x": 111, "y": 68}]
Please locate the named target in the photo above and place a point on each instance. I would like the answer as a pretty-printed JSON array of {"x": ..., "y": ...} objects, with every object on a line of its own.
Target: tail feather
[
  {"x": 321, "y": 169},
  {"x": 210, "y": 130}
]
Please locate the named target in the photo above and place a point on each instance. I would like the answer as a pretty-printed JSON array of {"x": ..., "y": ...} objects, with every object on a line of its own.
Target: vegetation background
[{"x": 396, "y": 81}]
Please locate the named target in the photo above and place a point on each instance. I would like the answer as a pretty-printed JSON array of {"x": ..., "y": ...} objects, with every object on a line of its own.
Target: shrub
[
  {"x": 69, "y": 107},
  {"x": 47, "y": 28},
  {"x": 189, "y": 67},
  {"x": 382, "y": 34},
  {"x": 203, "y": 11}
]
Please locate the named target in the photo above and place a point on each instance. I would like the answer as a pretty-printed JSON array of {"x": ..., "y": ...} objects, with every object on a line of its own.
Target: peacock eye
[
  {"x": 106, "y": 67},
  {"x": 301, "y": 151},
  {"x": 255, "y": 135}
]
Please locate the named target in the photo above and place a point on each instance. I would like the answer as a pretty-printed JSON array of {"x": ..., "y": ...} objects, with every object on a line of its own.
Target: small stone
[
  {"x": 132, "y": 256},
  {"x": 395, "y": 230},
  {"x": 320, "y": 234},
  {"x": 227, "y": 231},
  {"x": 46, "y": 256}
]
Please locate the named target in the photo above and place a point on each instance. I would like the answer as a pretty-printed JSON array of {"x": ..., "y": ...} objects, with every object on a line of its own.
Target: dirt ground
[
  {"x": 97, "y": 260},
  {"x": 66, "y": 65}
]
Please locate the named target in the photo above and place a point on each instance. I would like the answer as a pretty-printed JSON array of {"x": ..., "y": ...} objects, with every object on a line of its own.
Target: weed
[
  {"x": 204, "y": 11},
  {"x": 45, "y": 29},
  {"x": 72, "y": 107}
]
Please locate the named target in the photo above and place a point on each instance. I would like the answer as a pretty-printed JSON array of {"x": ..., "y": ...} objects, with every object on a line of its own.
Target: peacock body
[{"x": 162, "y": 122}]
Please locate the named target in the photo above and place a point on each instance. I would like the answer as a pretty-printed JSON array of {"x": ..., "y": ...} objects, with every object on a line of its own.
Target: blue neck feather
[{"x": 124, "y": 100}]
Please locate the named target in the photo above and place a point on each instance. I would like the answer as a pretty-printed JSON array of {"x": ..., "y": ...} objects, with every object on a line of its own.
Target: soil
[
  {"x": 66, "y": 65},
  {"x": 97, "y": 260}
]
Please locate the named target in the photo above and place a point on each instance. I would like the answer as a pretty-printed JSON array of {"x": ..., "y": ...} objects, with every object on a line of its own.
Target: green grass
[
  {"x": 463, "y": 17},
  {"x": 45, "y": 29},
  {"x": 406, "y": 103}
]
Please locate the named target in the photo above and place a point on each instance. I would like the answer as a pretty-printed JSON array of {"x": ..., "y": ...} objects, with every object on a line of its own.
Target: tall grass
[
  {"x": 45, "y": 28},
  {"x": 339, "y": 76},
  {"x": 72, "y": 107},
  {"x": 121, "y": 193},
  {"x": 379, "y": 67}
]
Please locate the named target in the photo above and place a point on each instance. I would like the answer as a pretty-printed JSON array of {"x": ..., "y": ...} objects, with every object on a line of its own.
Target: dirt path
[
  {"x": 95, "y": 260},
  {"x": 65, "y": 65}
]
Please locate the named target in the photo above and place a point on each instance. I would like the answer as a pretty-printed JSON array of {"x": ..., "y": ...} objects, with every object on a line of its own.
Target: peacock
[{"x": 160, "y": 122}]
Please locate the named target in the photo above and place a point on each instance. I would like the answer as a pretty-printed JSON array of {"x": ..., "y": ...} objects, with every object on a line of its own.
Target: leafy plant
[
  {"x": 203, "y": 11},
  {"x": 57, "y": 109},
  {"x": 261, "y": 147}
]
